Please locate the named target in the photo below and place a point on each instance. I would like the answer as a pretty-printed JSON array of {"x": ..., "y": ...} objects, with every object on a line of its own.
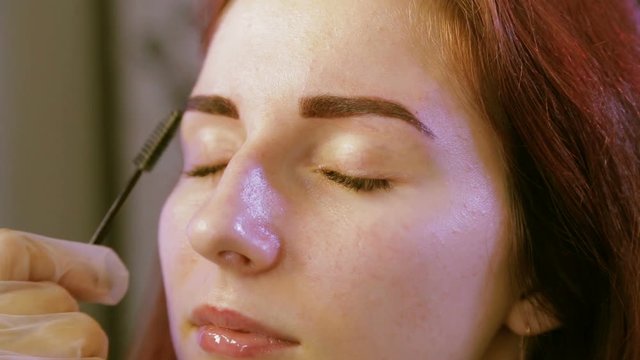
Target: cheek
[
  {"x": 176, "y": 255},
  {"x": 447, "y": 236}
]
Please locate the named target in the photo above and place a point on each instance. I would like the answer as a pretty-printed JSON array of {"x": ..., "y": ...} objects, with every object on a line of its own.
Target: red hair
[
  {"x": 154, "y": 341},
  {"x": 560, "y": 83}
]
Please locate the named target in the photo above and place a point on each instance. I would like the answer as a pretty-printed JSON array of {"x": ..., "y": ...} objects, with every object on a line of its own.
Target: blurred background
[{"x": 82, "y": 84}]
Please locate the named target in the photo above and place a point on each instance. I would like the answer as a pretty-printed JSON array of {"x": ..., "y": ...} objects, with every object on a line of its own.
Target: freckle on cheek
[
  {"x": 179, "y": 261},
  {"x": 185, "y": 261}
]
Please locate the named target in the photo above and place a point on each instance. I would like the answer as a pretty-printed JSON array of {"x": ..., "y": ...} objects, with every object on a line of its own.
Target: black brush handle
[{"x": 99, "y": 235}]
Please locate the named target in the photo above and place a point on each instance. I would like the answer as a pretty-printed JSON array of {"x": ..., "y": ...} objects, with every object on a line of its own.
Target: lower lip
[{"x": 237, "y": 344}]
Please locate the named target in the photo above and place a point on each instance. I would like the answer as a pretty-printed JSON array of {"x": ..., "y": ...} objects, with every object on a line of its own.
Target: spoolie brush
[{"x": 146, "y": 159}]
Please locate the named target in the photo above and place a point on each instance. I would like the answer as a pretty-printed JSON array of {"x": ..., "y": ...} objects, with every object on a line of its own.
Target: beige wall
[
  {"x": 50, "y": 175},
  {"x": 51, "y": 178}
]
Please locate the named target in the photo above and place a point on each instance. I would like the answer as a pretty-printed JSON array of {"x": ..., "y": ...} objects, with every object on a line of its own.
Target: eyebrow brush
[{"x": 144, "y": 161}]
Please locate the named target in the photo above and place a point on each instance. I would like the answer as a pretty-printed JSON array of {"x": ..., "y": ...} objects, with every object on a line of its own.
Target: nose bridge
[{"x": 235, "y": 226}]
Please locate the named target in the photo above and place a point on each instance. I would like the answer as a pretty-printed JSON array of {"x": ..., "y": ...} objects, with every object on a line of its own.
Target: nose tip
[
  {"x": 236, "y": 244},
  {"x": 236, "y": 226}
]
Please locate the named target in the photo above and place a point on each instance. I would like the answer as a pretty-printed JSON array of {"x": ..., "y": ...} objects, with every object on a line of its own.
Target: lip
[{"x": 226, "y": 332}]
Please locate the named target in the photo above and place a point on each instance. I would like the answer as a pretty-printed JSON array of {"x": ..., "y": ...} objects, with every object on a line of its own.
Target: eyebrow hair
[
  {"x": 327, "y": 106},
  {"x": 213, "y": 105},
  {"x": 322, "y": 106}
]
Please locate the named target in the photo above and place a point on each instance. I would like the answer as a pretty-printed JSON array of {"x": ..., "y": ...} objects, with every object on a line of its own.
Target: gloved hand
[{"x": 41, "y": 282}]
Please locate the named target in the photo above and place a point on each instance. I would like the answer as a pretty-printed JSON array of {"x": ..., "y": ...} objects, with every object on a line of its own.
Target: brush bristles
[{"x": 157, "y": 142}]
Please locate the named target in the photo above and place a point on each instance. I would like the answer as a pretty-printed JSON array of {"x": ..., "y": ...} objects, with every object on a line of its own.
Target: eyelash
[
  {"x": 356, "y": 184},
  {"x": 204, "y": 171}
]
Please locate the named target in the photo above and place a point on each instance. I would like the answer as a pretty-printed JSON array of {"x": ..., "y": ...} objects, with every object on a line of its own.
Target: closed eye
[
  {"x": 204, "y": 171},
  {"x": 356, "y": 183}
]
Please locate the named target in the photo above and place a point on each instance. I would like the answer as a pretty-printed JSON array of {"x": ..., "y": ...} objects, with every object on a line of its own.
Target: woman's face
[{"x": 298, "y": 103}]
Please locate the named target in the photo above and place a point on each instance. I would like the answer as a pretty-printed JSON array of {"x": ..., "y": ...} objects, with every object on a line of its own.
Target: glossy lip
[{"x": 226, "y": 332}]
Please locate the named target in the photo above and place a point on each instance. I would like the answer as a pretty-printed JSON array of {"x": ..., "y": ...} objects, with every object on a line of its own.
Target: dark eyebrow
[
  {"x": 213, "y": 105},
  {"x": 327, "y": 106},
  {"x": 323, "y": 106}
]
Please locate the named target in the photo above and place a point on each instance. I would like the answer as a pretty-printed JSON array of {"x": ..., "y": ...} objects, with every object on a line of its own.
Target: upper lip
[{"x": 232, "y": 320}]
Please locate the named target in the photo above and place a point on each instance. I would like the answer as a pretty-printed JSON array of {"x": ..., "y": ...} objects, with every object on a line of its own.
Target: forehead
[{"x": 296, "y": 48}]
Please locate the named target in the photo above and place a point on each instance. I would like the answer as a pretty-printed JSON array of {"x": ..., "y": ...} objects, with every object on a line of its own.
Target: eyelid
[{"x": 202, "y": 135}]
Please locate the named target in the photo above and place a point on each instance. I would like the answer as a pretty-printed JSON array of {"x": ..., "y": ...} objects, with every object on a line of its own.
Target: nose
[{"x": 235, "y": 227}]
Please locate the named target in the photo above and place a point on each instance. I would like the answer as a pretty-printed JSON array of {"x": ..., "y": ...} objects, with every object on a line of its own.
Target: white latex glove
[{"x": 41, "y": 282}]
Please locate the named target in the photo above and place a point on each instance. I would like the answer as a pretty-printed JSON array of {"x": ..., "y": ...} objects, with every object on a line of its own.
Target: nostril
[{"x": 234, "y": 259}]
